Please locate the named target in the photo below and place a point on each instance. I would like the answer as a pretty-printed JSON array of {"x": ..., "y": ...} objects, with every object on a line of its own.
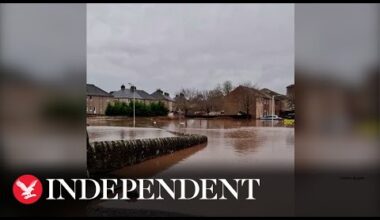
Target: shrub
[{"x": 141, "y": 109}]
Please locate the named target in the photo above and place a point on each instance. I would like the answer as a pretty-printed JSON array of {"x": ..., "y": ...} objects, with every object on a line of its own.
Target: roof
[
  {"x": 159, "y": 95},
  {"x": 126, "y": 94},
  {"x": 260, "y": 93},
  {"x": 93, "y": 90},
  {"x": 144, "y": 94},
  {"x": 271, "y": 93}
]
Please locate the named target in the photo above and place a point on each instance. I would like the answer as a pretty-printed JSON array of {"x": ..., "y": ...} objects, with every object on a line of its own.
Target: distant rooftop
[
  {"x": 271, "y": 93},
  {"x": 126, "y": 93},
  {"x": 145, "y": 95},
  {"x": 160, "y": 95},
  {"x": 260, "y": 93},
  {"x": 93, "y": 90},
  {"x": 140, "y": 94}
]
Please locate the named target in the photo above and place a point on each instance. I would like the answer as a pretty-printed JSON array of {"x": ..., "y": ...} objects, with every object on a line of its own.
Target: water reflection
[
  {"x": 232, "y": 144},
  {"x": 220, "y": 123},
  {"x": 235, "y": 148},
  {"x": 112, "y": 133}
]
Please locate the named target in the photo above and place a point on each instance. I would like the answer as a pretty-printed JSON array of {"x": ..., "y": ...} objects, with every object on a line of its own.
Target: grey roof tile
[
  {"x": 158, "y": 95},
  {"x": 93, "y": 90}
]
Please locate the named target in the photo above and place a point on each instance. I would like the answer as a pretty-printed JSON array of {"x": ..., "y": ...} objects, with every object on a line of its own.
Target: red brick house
[
  {"x": 282, "y": 102},
  {"x": 247, "y": 101}
]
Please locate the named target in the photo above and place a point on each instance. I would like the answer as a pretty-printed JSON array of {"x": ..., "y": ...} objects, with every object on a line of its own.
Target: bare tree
[
  {"x": 215, "y": 99},
  {"x": 193, "y": 100},
  {"x": 182, "y": 100},
  {"x": 249, "y": 84},
  {"x": 189, "y": 100},
  {"x": 247, "y": 99},
  {"x": 227, "y": 87}
]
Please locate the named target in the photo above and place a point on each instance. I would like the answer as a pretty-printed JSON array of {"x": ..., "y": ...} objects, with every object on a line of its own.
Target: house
[
  {"x": 181, "y": 105},
  {"x": 127, "y": 95},
  {"x": 282, "y": 102},
  {"x": 247, "y": 101},
  {"x": 290, "y": 93},
  {"x": 164, "y": 97},
  {"x": 96, "y": 100}
]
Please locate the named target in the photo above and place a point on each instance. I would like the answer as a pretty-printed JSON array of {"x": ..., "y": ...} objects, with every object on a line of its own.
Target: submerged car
[{"x": 270, "y": 117}]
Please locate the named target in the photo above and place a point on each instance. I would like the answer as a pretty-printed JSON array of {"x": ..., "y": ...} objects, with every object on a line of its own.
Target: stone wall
[{"x": 105, "y": 156}]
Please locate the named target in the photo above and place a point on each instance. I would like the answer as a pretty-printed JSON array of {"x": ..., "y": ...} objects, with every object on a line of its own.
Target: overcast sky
[{"x": 190, "y": 46}]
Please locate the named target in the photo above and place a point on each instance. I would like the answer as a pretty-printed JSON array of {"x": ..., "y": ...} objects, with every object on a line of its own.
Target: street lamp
[{"x": 134, "y": 100}]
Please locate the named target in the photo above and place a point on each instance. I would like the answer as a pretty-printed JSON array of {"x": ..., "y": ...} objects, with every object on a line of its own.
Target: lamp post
[{"x": 134, "y": 101}]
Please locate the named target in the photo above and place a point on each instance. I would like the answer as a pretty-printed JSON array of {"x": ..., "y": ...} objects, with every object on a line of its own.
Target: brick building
[
  {"x": 282, "y": 102},
  {"x": 245, "y": 100},
  {"x": 290, "y": 93}
]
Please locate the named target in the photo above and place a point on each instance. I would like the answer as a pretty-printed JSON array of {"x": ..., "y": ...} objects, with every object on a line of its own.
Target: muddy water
[
  {"x": 112, "y": 133},
  {"x": 232, "y": 144},
  {"x": 235, "y": 148}
]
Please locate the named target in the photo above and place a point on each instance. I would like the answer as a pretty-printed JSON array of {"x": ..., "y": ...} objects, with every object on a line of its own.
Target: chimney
[
  {"x": 166, "y": 94},
  {"x": 160, "y": 91},
  {"x": 133, "y": 88},
  {"x": 123, "y": 87}
]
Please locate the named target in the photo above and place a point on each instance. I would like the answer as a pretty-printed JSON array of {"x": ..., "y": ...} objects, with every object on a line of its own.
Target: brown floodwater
[
  {"x": 112, "y": 133},
  {"x": 232, "y": 144},
  {"x": 235, "y": 148}
]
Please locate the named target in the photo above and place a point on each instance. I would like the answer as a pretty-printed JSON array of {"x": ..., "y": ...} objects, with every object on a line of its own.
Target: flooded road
[
  {"x": 235, "y": 148},
  {"x": 111, "y": 133},
  {"x": 233, "y": 144}
]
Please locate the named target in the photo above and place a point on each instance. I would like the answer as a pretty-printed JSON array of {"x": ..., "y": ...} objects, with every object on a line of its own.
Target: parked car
[
  {"x": 270, "y": 117},
  {"x": 288, "y": 115}
]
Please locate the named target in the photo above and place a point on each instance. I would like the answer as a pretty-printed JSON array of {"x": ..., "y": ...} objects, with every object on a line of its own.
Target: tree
[
  {"x": 189, "y": 100},
  {"x": 182, "y": 100},
  {"x": 249, "y": 84},
  {"x": 247, "y": 99},
  {"x": 215, "y": 99},
  {"x": 227, "y": 87},
  {"x": 141, "y": 109}
]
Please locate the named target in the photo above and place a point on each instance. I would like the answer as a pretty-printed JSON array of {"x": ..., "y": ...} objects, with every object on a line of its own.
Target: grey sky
[{"x": 174, "y": 46}]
